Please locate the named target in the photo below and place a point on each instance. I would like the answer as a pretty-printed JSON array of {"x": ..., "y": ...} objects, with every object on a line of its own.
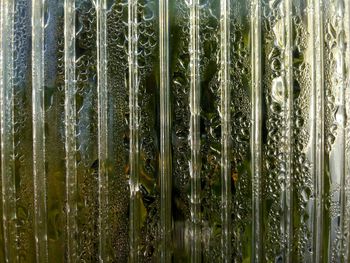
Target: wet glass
[{"x": 175, "y": 131}]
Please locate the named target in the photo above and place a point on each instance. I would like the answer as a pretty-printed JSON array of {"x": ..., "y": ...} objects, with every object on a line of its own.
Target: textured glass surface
[{"x": 175, "y": 131}]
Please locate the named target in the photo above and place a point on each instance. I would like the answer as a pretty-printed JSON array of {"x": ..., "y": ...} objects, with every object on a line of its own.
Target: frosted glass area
[{"x": 175, "y": 131}]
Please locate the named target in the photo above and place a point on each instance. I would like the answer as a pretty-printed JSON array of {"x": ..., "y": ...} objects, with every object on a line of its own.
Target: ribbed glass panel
[{"x": 175, "y": 131}]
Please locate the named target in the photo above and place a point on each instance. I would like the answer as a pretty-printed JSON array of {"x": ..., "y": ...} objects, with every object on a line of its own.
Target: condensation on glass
[{"x": 175, "y": 131}]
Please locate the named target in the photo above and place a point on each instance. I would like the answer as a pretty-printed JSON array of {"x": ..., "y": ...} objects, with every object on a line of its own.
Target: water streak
[
  {"x": 225, "y": 10},
  {"x": 256, "y": 139},
  {"x": 102, "y": 98},
  {"x": 165, "y": 128},
  {"x": 317, "y": 155},
  {"x": 134, "y": 129},
  {"x": 288, "y": 93},
  {"x": 195, "y": 163}
]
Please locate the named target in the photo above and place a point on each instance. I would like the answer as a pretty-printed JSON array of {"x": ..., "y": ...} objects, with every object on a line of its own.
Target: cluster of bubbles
[
  {"x": 118, "y": 90},
  {"x": 180, "y": 82},
  {"x": 147, "y": 45},
  {"x": 302, "y": 181},
  {"x": 273, "y": 157},
  {"x": 275, "y": 126},
  {"x": 210, "y": 130},
  {"x": 86, "y": 104},
  {"x": 329, "y": 66},
  {"x": 334, "y": 45},
  {"x": 240, "y": 73}
]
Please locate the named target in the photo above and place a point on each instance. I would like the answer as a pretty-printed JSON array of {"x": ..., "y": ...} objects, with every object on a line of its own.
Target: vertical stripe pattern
[
  {"x": 102, "y": 94},
  {"x": 318, "y": 129},
  {"x": 225, "y": 130},
  {"x": 234, "y": 144},
  {"x": 341, "y": 120},
  {"x": 134, "y": 129},
  {"x": 165, "y": 127},
  {"x": 7, "y": 130},
  {"x": 40, "y": 179},
  {"x": 256, "y": 139},
  {"x": 195, "y": 166},
  {"x": 70, "y": 129},
  {"x": 288, "y": 132}
]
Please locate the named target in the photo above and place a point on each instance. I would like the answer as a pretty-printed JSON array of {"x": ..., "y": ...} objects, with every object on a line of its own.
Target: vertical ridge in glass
[
  {"x": 40, "y": 180},
  {"x": 70, "y": 130},
  {"x": 7, "y": 131},
  {"x": 165, "y": 120},
  {"x": 256, "y": 139}
]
